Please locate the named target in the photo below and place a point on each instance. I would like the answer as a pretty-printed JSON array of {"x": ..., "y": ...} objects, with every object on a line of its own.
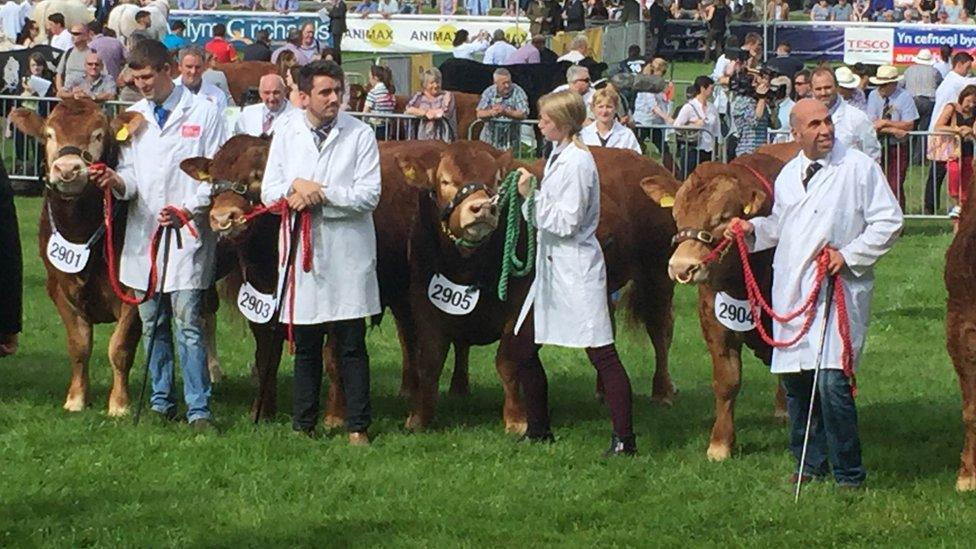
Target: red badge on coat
[{"x": 191, "y": 130}]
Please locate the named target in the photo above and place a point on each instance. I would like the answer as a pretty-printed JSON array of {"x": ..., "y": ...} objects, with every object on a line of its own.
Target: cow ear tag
[
  {"x": 747, "y": 209},
  {"x": 203, "y": 176},
  {"x": 410, "y": 173},
  {"x": 122, "y": 135},
  {"x": 666, "y": 201}
]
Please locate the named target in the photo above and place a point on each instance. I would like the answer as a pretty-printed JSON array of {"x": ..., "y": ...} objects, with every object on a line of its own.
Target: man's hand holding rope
[{"x": 835, "y": 261}]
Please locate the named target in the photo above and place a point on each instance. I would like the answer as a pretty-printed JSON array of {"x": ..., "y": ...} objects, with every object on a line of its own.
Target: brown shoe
[
  {"x": 359, "y": 439},
  {"x": 8, "y": 344}
]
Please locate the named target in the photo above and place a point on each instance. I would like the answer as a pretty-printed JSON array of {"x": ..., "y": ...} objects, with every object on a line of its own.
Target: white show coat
[
  {"x": 149, "y": 166},
  {"x": 848, "y": 205},
  {"x": 342, "y": 284},
  {"x": 209, "y": 92},
  {"x": 854, "y": 129},
  {"x": 620, "y": 137},
  {"x": 251, "y": 120},
  {"x": 569, "y": 293}
]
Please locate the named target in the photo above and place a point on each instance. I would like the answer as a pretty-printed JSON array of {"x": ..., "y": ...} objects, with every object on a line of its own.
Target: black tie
[{"x": 812, "y": 170}]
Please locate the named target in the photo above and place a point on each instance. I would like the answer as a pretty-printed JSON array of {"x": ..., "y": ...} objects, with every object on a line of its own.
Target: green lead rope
[{"x": 508, "y": 197}]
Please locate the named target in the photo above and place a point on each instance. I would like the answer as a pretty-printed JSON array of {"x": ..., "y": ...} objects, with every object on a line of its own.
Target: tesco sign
[{"x": 869, "y": 45}]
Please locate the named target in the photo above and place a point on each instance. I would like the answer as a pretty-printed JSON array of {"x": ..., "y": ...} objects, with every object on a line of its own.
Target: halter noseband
[
  {"x": 222, "y": 186},
  {"x": 70, "y": 149},
  {"x": 461, "y": 196},
  {"x": 697, "y": 235}
]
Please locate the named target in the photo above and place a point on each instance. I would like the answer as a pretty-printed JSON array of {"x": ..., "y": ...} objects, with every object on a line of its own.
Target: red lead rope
[
  {"x": 305, "y": 219},
  {"x": 758, "y": 304},
  {"x": 153, "y": 249}
]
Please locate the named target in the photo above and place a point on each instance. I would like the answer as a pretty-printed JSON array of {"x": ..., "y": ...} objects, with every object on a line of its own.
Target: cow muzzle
[
  {"x": 68, "y": 174},
  {"x": 227, "y": 222},
  {"x": 478, "y": 219},
  {"x": 685, "y": 265}
]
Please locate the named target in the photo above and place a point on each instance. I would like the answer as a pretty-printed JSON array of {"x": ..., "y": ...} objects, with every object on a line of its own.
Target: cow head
[
  {"x": 234, "y": 175},
  {"x": 76, "y": 134},
  {"x": 712, "y": 195},
  {"x": 462, "y": 181}
]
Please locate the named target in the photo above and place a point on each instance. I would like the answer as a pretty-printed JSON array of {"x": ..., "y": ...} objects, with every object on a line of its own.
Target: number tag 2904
[
  {"x": 65, "y": 256},
  {"x": 255, "y": 306},
  {"x": 453, "y": 299},
  {"x": 734, "y": 314}
]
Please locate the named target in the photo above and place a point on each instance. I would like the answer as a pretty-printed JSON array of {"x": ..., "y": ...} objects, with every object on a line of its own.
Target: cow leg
[
  {"x": 725, "y": 350},
  {"x": 460, "y": 380},
  {"x": 268, "y": 341},
  {"x": 79, "y": 332},
  {"x": 513, "y": 411},
  {"x": 121, "y": 353},
  {"x": 431, "y": 353},
  {"x": 406, "y": 334},
  {"x": 779, "y": 411},
  {"x": 335, "y": 401},
  {"x": 966, "y": 480},
  {"x": 209, "y": 325},
  {"x": 660, "y": 328}
]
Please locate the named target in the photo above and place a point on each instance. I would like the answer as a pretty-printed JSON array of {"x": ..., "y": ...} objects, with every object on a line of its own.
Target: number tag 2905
[
  {"x": 65, "y": 256},
  {"x": 734, "y": 314},
  {"x": 453, "y": 299},
  {"x": 255, "y": 306}
]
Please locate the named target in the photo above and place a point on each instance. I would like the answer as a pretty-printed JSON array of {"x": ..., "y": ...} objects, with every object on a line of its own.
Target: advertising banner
[
  {"x": 872, "y": 46},
  {"x": 241, "y": 25},
  {"x": 900, "y": 44}
]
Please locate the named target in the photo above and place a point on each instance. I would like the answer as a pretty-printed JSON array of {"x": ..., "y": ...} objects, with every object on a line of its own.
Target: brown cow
[
  {"x": 74, "y": 134},
  {"x": 461, "y": 239},
  {"x": 713, "y": 194},
  {"x": 243, "y": 75},
  {"x": 960, "y": 281}
]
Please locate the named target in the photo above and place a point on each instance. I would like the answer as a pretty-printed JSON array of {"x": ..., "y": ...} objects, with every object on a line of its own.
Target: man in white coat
[
  {"x": 327, "y": 163},
  {"x": 836, "y": 197},
  {"x": 852, "y": 127},
  {"x": 260, "y": 118},
  {"x": 192, "y": 65},
  {"x": 176, "y": 125}
]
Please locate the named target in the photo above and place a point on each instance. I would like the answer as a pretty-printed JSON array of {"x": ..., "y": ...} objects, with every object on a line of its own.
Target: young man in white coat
[
  {"x": 328, "y": 163},
  {"x": 836, "y": 197},
  {"x": 176, "y": 125},
  {"x": 259, "y": 119},
  {"x": 852, "y": 127}
]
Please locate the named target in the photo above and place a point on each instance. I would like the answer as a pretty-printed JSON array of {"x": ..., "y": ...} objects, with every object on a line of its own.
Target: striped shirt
[
  {"x": 922, "y": 80},
  {"x": 379, "y": 99}
]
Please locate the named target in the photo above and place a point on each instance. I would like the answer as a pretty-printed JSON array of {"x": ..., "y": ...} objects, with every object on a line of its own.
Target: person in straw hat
[
  {"x": 849, "y": 87},
  {"x": 921, "y": 81},
  {"x": 893, "y": 112}
]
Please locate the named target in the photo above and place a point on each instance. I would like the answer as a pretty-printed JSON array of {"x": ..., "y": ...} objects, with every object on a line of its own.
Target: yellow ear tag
[
  {"x": 666, "y": 201},
  {"x": 747, "y": 209},
  {"x": 410, "y": 173},
  {"x": 122, "y": 134},
  {"x": 203, "y": 176}
]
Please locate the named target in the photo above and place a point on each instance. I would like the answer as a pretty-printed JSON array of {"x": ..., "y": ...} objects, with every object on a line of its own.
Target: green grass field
[{"x": 84, "y": 479}]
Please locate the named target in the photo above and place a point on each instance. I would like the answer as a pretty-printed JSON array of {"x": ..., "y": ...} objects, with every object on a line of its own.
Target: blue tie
[{"x": 161, "y": 115}]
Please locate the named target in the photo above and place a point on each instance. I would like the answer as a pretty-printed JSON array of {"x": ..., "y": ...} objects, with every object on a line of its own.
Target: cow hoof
[
  {"x": 414, "y": 424},
  {"x": 966, "y": 484},
  {"x": 718, "y": 452},
  {"x": 333, "y": 422},
  {"x": 74, "y": 404},
  {"x": 516, "y": 427},
  {"x": 663, "y": 400},
  {"x": 118, "y": 410},
  {"x": 216, "y": 376},
  {"x": 781, "y": 415}
]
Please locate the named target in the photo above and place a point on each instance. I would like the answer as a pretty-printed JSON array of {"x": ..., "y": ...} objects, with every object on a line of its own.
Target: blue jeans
[
  {"x": 834, "y": 433},
  {"x": 185, "y": 306}
]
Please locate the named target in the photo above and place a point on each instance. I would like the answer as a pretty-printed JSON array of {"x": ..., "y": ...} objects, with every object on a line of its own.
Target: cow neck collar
[{"x": 80, "y": 220}]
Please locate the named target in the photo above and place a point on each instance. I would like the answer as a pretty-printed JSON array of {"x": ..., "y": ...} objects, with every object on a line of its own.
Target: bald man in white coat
[
  {"x": 259, "y": 119},
  {"x": 327, "y": 162},
  {"x": 828, "y": 196}
]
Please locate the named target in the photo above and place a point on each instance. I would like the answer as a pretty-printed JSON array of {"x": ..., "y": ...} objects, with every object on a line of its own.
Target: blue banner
[
  {"x": 241, "y": 26},
  {"x": 683, "y": 39}
]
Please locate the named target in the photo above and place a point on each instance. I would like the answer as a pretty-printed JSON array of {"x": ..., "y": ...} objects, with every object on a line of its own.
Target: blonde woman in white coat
[
  {"x": 606, "y": 131},
  {"x": 567, "y": 304}
]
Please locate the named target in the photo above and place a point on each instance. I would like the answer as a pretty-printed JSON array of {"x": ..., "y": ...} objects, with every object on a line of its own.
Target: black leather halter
[
  {"x": 697, "y": 235},
  {"x": 222, "y": 186},
  {"x": 460, "y": 197},
  {"x": 67, "y": 150}
]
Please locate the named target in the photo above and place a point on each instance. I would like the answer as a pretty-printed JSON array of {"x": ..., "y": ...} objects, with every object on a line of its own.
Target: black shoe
[
  {"x": 165, "y": 417},
  {"x": 621, "y": 446},
  {"x": 545, "y": 438},
  {"x": 203, "y": 425}
]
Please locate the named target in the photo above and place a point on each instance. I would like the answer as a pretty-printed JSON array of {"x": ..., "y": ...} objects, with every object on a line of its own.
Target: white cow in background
[
  {"x": 74, "y": 11},
  {"x": 122, "y": 19}
]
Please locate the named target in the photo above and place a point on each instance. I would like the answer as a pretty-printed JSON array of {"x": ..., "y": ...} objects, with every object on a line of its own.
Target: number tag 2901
[
  {"x": 734, "y": 314},
  {"x": 65, "y": 256},
  {"x": 255, "y": 306},
  {"x": 453, "y": 299}
]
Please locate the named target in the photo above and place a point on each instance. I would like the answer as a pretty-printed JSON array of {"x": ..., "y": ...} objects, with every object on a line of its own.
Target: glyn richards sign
[{"x": 243, "y": 26}]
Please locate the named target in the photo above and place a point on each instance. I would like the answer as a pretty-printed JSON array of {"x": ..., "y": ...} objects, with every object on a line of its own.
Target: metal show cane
[
  {"x": 283, "y": 283},
  {"x": 813, "y": 391},
  {"x": 168, "y": 233}
]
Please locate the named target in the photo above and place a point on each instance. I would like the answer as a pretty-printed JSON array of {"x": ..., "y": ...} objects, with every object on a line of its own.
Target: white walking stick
[{"x": 813, "y": 391}]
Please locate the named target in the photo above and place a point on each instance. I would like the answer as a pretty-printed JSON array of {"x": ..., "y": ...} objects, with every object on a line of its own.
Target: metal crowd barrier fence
[
  {"x": 925, "y": 188},
  {"x": 390, "y": 126},
  {"x": 680, "y": 148},
  {"x": 520, "y": 136}
]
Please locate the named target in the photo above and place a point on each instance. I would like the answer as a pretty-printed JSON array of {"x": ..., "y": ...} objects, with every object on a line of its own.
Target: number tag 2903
[
  {"x": 65, "y": 256},
  {"x": 734, "y": 314},
  {"x": 453, "y": 299},
  {"x": 255, "y": 306}
]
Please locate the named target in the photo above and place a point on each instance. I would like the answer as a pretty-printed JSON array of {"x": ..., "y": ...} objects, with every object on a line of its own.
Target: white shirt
[
  {"x": 149, "y": 166},
  {"x": 219, "y": 80},
  {"x": 785, "y": 108},
  {"x": 389, "y": 7},
  {"x": 854, "y": 129},
  {"x": 620, "y": 137},
  {"x": 62, "y": 41},
  {"x": 587, "y": 98},
  {"x": 569, "y": 292},
  {"x": 498, "y": 53},
  {"x": 943, "y": 67},
  {"x": 848, "y": 205},
  {"x": 251, "y": 120},
  {"x": 948, "y": 92},
  {"x": 342, "y": 284},
  {"x": 721, "y": 98},
  {"x": 207, "y": 91},
  {"x": 468, "y": 49},
  {"x": 644, "y": 105},
  {"x": 11, "y": 20},
  {"x": 901, "y": 106},
  {"x": 573, "y": 56},
  {"x": 694, "y": 110}
]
